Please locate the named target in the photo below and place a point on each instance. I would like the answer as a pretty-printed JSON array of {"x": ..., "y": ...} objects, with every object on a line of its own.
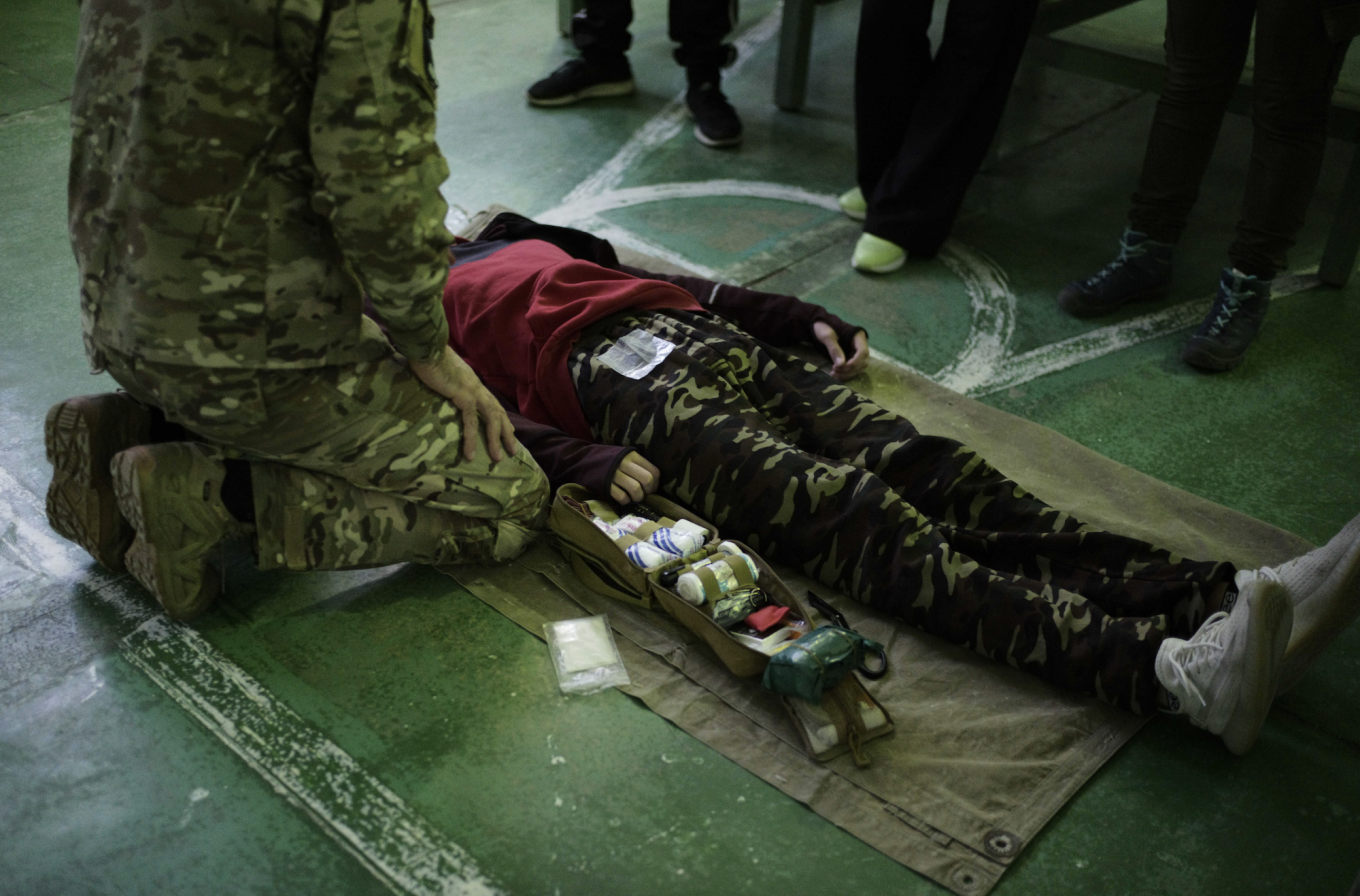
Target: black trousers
[
  {"x": 1295, "y": 71},
  {"x": 698, "y": 26},
  {"x": 922, "y": 125}
]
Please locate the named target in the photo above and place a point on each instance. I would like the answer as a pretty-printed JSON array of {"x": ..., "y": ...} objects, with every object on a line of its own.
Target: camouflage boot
[
  {"x": 82, "y": 435},
  {"x": 172, "y": 495}
]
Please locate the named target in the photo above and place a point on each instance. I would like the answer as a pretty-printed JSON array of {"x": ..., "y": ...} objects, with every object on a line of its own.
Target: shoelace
[
  {"x": 1127, "y": 253},
  {"x": 1229, "y": 304},
  {"x": 1196, "y": 653}
]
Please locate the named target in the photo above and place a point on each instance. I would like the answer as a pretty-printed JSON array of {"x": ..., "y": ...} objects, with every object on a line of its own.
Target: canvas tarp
[{"x": 983, "y": 755}]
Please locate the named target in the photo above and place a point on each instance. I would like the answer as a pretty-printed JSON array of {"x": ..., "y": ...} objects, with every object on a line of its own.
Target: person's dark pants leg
[
  {"x": 942, "y": 112},
  {"x": 701, "y": 28},
  {"x": 1206, "y": 47},
  {"x": 600, "y": 31},
  {"x": 1296, "y": 69},
  {"x": 892, "y": 60},
  {"x": 807, "y": 472}
]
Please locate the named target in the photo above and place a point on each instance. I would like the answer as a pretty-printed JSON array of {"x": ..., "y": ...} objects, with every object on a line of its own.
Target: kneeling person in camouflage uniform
[
  {"x": 781, "y": 455},
  {"x": 240, "y": 179}
]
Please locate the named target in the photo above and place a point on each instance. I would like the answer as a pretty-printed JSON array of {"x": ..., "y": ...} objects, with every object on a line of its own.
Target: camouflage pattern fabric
[
  {"x": 242, "y": 171},
  {"x": 780, "y": 455},
  {"x": 365, "y": 464}
]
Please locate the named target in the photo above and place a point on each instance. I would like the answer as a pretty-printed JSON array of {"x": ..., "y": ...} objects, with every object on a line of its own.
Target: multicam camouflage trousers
[
  {"x": 778, "y": 454},
  {"x": 352, "y": 466}
]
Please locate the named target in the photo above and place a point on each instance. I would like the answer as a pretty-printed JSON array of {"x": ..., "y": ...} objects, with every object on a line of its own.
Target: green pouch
[{"x": 819, "y": 661}]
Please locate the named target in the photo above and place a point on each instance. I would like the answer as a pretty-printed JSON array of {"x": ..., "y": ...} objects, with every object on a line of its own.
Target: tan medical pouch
[
  {"x": 603, "y": 567},
  {"x": 847, "y": 715}
]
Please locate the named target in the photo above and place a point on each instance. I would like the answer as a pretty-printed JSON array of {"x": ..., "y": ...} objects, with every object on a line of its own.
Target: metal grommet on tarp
[
  {"x": 1001, "y": 844},
  {"x": 965, "y": 879}
]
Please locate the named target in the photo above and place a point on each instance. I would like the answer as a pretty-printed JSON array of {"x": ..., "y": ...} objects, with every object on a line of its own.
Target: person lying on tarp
[{"x": 629, "y": 382}]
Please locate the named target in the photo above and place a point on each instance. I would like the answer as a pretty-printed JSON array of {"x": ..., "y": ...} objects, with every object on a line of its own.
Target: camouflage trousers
[
  {"x": 778, "y": 454},
  {"x": 352, "y": 466}
]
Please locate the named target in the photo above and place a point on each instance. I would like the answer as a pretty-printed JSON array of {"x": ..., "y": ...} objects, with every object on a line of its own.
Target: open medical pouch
[{"x": 724, "y": 593}]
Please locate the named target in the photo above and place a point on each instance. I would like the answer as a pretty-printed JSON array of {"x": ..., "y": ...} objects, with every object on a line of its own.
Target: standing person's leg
[
  {"x": 1206, "y": 47},
  {"x": 380, "y": 440},
  {"x": 600, "y": 33},
  {"x": 701, "y": 28},
  {"x": 1296, "y": 69},
  {"x": 957, "y": 109},
  {"x": 892, "y": 61}
]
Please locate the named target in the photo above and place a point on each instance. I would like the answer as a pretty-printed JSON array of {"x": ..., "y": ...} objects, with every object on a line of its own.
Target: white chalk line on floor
[{"x": 393, "y": 841}]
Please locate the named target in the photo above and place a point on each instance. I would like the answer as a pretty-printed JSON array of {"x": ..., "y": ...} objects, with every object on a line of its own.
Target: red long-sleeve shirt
[{"x": 515, "y": 308}]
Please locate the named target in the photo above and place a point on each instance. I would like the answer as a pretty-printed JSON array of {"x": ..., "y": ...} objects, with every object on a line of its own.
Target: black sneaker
[
  {"x": 1141, "y": 273},
  {"x": 715, "y": 121},
  {"x": 1221, "y": 341},
  {"x": 582, "y": 79}
]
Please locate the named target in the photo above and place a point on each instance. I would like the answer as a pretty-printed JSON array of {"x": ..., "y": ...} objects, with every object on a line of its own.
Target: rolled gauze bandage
[
  {"x": 727, "y": 575},
  {"x": 676, "y": 542},
  {"x": 648, "y": 556}
]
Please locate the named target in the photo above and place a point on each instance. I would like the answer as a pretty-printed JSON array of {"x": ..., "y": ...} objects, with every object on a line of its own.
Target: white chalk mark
[
  {"x": 993, "y": 319},
  {"x": 32, "y": 545},
  {"x": 580, "y": 209},
  {"x": 403, "y": 850},
  {"x": 620, "y": 236},
  {"x": 668, "y": 122}
]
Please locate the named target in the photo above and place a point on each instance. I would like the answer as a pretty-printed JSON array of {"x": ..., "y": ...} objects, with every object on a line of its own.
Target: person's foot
[
  {"x": 82, "y": 435},
  {"x": 853, "y": 204},
  {"x": 1225, "y": 676},
  {"x": 1324, "y": 586},
  {"x": 1222, "y": 338},
  {"x": 1141, "y": 273},
  {"x": 875, "y": 255},
  {"x": 583, "y": 79},
  {"x": 715, "y": 121},
  {"x": 172, "y": 495}
]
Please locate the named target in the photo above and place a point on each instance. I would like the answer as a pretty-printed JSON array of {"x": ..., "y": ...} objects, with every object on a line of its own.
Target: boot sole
[
  {"x": 1204, "y": 360},
  {"x": 1076, "y": 308},
  {"x": 594, "y": 91},
  {"x": 1338, "y": 614},
  {"x": 161, "y": 556},
  {"x": 1268, "y": 629},
  {"x": 82, "y": 435},
  {"x": 715, "y": 143}
]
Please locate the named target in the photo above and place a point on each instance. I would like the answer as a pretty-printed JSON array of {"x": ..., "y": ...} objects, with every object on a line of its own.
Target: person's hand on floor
[
  {"x": 451, "y": 377},
  {"x": 635, "y": 479},
  {"x": 842, "y": 368}
]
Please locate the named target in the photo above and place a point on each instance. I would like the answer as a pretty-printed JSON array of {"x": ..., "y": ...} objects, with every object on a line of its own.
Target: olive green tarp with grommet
[{"x": 983, "y": 755}]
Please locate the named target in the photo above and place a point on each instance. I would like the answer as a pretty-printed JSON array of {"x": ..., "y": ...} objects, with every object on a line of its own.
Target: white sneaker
[
  {"x": 1324, "y": 586},
  {"x": 1224, "y": 677}
]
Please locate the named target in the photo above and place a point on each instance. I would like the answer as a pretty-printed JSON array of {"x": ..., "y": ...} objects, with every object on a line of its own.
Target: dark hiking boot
[
  {"x": 1221, "y": 341},
  {"x": 82, "y": 435},
  {"x": 583, "y": 79},
  {"x": 172, "y": 495},
  {"x": 715, "y": 121},
  {"x": 1141, "y": 273}
]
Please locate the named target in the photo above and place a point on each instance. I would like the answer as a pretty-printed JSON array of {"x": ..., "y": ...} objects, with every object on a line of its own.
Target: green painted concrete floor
[{"x": 116, "y": 774}]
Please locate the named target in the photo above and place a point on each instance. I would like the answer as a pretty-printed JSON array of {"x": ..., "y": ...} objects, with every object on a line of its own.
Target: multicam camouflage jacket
[{"x": 243, "y": 171}]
